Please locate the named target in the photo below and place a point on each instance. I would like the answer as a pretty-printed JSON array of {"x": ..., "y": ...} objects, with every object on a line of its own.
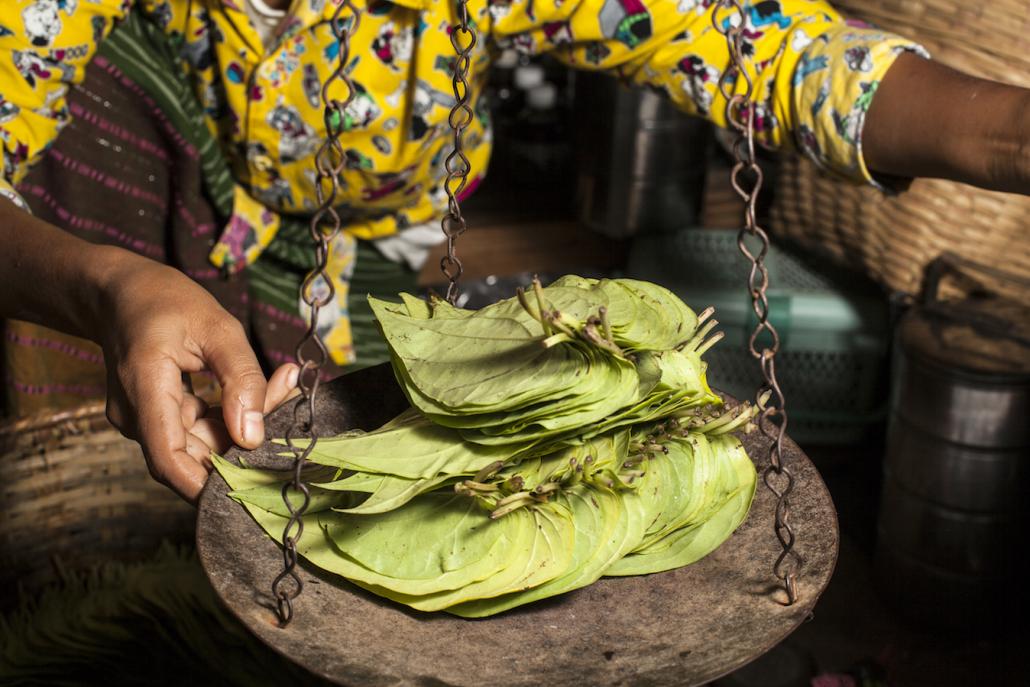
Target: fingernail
[
  {"x": 253, "y": 427},
  {"x": 291, "y": 378}
]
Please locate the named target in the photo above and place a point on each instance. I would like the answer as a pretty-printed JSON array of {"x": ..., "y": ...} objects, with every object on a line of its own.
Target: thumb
[{"x": 229, "y": 356}]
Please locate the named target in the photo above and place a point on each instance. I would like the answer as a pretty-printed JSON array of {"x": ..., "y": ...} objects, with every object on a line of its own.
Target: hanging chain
[
  {"x": 740, "y": 114},
  {"x": 463, "y": 39},
  {"x": 317, "y": 292}
]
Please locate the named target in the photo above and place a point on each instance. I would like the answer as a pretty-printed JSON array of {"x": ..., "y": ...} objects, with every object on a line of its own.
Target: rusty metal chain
[
  {"x": 317, "y": 292},
  {"x": 463, "y": 39},
  {"x": 772, "y": 420}
]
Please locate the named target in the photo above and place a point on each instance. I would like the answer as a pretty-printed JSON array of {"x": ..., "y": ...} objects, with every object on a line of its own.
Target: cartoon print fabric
[{"x": 815, "y": 76}]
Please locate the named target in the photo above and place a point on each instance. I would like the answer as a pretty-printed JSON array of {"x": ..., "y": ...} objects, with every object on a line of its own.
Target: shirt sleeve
[
  {"x": 45, "y": 46},
  {"x": 814, "y": 74}
]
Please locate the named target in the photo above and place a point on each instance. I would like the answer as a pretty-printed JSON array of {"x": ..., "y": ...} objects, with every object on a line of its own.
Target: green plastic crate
[{"x": 834, "y": 328}]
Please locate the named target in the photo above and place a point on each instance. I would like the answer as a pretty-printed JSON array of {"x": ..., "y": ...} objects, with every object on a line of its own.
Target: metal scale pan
[{"x": 683, "y": 627}]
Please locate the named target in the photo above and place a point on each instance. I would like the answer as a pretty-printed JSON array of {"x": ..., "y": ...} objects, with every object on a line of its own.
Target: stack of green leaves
[
  {"x": 546, "y": 365},
  {"x": 553, "y": 438}
]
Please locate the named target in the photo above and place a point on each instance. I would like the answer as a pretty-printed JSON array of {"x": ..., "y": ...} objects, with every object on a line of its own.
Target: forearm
[
  {"x": 50, "y": 277},
  {"x": 929, "y": 120}
]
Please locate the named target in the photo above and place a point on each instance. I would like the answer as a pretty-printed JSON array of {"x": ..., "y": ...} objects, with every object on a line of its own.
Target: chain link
[
  {"x": 463, "y": 39},
  {"x": 772, "y": 420},
  {"x": 317, "y": 292},
  {"x": 317, "y": 289}
]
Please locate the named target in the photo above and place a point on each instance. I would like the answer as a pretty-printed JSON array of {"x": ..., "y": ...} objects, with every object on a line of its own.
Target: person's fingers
[
  {"x": 154, "y": 391},
  {"x": 282, "y": 386},
  {"x": 213, "y": 433},
  {"x": 208, "y": 425},
  {"x": 228, "y": 355},
  {"x": 199, "y": 451},
  {"x": 193, "y": 408}
]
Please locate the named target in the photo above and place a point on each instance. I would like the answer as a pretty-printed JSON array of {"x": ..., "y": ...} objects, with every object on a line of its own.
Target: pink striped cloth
[{"x": 122, "y": 174}]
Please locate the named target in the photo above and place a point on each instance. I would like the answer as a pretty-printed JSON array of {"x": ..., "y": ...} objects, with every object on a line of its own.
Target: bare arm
[
  {"x": 930, "y": 120},
  {"x": 153, "y": 324},
  {"x": 48, "y": 276}
]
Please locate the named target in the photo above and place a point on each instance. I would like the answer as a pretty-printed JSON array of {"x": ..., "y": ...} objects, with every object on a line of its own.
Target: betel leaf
[
  {"x": 684, "y": 486},
  {"x": 656, "y": 319},
  {"x": 437, "y": 542},
  {"x": 485, "y": 555},
  {"x": 487, "y": 363},
  {"x": 707, "y": 484},
  {"x": 600, "y": 387},
  {"x": 385, "y": 492},
  {"x": 575, "y": 281},
  {"x": 727, "y": 505},
  {"x": 270, "y": 497},
  {"x": 690, "y": 544},
  {"x": 415, "y": 450},
  {"x": 601, "y": 533},
  {"x": 543, "y": 553}
]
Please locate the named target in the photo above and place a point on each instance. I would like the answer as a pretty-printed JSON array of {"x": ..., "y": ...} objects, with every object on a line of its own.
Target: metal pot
[
  {"x": 950, "y": 393},
  {"x": 640, "y": 161},
  {"x": 954, "y": 475},
  {"x": 954, "y": 502}
]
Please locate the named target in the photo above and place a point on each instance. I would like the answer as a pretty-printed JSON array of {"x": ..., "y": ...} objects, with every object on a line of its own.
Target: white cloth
[
  {"x": 265, "y": 19},
  {"x": 412, "y": 245}
]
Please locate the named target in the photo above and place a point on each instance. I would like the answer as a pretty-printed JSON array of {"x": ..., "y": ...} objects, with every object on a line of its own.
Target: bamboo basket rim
[
  {"x": 93, "y": 413},
  {"x": 888, "y": 19}
]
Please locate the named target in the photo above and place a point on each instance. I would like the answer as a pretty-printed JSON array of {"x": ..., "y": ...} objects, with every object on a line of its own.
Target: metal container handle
[{"x": 950, "y": 263}]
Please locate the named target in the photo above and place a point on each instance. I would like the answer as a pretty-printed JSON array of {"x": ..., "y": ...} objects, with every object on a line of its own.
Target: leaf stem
[
  {"x": 511, "y": 504},
  {"x": 716, "y": 338}
]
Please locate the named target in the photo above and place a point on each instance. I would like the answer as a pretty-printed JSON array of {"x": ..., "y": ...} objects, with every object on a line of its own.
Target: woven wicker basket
[
  {"x": 893, "y": 238},
  {"x": 74, "y": 492}
]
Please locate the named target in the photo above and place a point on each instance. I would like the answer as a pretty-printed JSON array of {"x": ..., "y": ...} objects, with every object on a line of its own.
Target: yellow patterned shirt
[{"x": 814, "y": 74}]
